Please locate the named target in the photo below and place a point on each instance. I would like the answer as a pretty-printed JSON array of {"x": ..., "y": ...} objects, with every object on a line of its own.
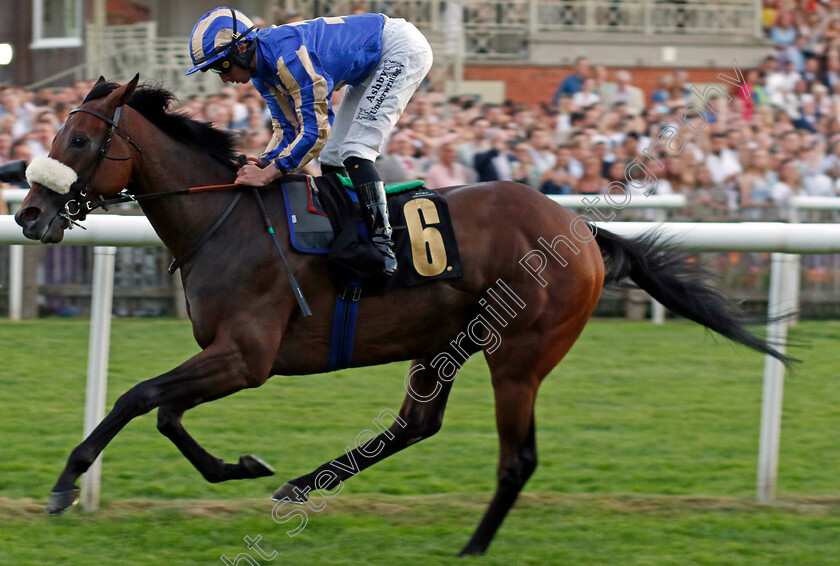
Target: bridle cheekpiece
[{"x": 77, "y": 205}]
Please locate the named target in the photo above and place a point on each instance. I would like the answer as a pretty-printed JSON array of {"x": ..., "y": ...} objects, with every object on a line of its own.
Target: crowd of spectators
[{"x": 751, "y": 150}]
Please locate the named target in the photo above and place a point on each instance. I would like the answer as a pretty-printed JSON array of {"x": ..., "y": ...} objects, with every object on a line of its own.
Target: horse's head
[{"x": 90, "y": 158}]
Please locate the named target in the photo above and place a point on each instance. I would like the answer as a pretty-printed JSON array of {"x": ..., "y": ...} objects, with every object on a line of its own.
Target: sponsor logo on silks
[{"x": 380, "y": 88}]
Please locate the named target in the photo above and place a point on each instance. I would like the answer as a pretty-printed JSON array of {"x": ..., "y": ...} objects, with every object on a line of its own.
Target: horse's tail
[{"x": 677, "y": 284}]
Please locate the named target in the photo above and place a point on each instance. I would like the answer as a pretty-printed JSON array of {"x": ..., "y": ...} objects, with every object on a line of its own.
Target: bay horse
[{"x": 249, "y": 327}]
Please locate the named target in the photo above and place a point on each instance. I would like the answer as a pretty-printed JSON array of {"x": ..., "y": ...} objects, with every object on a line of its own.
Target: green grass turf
[{"x": 647, "y": 438}]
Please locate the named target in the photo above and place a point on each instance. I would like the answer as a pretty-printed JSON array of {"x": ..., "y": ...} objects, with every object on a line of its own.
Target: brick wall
[{"x": 533, "y": 84}]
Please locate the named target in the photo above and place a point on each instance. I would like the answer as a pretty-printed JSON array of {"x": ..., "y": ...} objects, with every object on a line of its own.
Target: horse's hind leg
[
  {"x": 420, "y": 417},
  {"x": 517, "y": 456},
  {"x": 213, "y": 469},
  {"x": 517, "y": 369}
]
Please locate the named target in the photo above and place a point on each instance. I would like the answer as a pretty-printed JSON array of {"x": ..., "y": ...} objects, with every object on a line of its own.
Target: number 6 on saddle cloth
[{"x": 324, "y": 218}]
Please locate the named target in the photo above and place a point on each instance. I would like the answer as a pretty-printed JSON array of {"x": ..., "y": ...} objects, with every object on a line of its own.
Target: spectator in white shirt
[
  {"x": 622, "y": 91},
  {"x": 815, "y": 183},
  {"x": 721, "y": 161},
  {"x": 40, "y": 140},
  {"x": 542, "y": 154},
  {"x": 784, "y": 77},
  {"x": 830, "y": 165},
  {"x": 789, "y": 185},
  {"x": 586, "y": 96},
  {"x": 11, "y": 106},
  {"x": 479, "y": 129}
]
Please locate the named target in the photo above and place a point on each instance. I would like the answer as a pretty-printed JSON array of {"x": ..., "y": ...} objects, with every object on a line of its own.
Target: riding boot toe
[{"x": 386, "y": 248}]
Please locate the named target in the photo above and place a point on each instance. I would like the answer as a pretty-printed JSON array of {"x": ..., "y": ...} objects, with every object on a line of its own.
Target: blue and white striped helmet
[{"x": 216, "y": 33}]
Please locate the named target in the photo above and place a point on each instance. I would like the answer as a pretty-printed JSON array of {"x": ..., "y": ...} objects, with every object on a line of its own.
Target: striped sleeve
[
  {"x": 309, "y": 93},
  {"x": 282, "y": 121}
]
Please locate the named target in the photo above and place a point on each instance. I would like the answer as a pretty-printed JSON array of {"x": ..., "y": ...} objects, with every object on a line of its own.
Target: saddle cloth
[{"x": 324, "y": 218}]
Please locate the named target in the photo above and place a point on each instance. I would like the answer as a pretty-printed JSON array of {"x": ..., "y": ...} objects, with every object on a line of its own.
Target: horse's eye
[{"x": 78, "y": 141}]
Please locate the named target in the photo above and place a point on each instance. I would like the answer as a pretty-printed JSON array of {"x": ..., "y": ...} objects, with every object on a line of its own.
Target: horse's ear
[
  {"x": 101, "y": 80},
  {"x": 123, "y": 93},
  {"x": 129, "y": 89}
]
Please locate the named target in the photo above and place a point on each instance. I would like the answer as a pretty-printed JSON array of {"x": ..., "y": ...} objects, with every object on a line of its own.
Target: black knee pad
[{"x": 361, "y": 171}]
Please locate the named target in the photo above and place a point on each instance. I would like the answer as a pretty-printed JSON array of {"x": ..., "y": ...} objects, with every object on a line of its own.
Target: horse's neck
[{"x": 170, "y": 166}]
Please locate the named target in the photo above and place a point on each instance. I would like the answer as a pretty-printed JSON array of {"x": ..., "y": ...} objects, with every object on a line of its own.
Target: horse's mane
[{"x": 153, "y": 101}]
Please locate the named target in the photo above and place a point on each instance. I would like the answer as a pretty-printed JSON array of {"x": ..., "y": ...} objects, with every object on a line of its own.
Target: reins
[
  {"x": 124, "y": 197},
  {"x": 177, "y": 263}
]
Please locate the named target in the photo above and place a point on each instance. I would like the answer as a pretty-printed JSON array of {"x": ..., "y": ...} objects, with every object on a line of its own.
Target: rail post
[
  {"x": 16, "y": 282},
  {"x": 779, "y": 302},
  {"x": 97, "y": 373}
]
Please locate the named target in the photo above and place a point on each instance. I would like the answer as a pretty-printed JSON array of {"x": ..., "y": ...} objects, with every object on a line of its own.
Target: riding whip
[{"x": 304, "y": 306}]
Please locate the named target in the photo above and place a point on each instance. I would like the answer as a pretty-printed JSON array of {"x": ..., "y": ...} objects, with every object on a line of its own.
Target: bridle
[
  {"x": 79, "y": 206},
  {"x": 79, "y": 191}
]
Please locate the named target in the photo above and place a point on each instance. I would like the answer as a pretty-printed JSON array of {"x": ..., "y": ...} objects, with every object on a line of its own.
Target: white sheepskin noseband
[{"x": 51, "y": 173}]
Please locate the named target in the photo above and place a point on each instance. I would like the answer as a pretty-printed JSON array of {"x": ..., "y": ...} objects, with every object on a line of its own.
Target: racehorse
[{"x": 249, "y": 327}]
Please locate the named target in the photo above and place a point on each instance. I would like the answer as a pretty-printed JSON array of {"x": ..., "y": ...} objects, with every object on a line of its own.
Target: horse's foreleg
[
  {"x": 213, "y": 469},
  {"x": 215, "y": 372},
  {"x": 420, "y": 417}
]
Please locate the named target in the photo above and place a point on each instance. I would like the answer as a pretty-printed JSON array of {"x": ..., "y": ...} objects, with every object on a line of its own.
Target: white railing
[
  {"x": 781, "y": 237},
  {"x": 812, "y": 203},
  {"x": 105, "y": 231},
  {"x": 659, "y": 204}
]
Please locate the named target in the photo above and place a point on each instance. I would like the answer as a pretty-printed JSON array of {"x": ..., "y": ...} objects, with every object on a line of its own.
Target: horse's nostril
[{"x": 28, "y": 216}]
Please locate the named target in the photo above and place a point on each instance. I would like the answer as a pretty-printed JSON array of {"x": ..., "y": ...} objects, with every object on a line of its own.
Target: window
[{"x": 56, "y": 23}]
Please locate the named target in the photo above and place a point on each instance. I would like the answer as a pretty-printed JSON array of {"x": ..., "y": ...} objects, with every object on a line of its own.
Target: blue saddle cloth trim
[{"x": 343, "y": 334}]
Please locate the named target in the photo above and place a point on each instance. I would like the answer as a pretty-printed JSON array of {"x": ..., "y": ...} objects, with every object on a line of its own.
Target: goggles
[{"x": 219, "y": 66}]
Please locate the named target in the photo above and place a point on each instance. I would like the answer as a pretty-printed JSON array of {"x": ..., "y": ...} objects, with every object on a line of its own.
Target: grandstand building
[{"x": 517, "y": 50}]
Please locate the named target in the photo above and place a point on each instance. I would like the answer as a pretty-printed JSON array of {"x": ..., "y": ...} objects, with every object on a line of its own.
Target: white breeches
[{"x": 369, "y": 111}]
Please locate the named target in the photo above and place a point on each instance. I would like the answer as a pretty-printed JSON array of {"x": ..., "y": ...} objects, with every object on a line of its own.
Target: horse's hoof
[
  {"x": 60, "y": 501},
  {"x": 290, "y": 493},
  {"x": 470, "y": 550},
  {"x": 255, "y": 466}
]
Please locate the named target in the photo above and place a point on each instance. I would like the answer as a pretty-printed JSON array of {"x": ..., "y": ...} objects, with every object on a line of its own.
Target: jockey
[{"x": 296, "y": 67}]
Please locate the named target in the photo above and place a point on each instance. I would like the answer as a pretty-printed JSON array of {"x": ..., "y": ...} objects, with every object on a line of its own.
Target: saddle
[{"x": 324, "y": 218}]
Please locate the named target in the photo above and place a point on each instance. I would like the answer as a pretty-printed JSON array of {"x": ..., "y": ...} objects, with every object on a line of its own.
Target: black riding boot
[{"x": 375, "y": 211}]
